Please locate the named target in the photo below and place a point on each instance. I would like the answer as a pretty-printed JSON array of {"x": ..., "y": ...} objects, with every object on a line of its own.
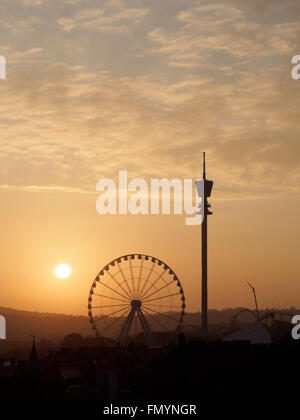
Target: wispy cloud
[
  {"x": 209, "y": 30},
  {"x": 212, "y": 76},
  {"x": 43, "y": 188},
  {"x": 33, "y": 2},
  {"x": 114, "y": 16}
]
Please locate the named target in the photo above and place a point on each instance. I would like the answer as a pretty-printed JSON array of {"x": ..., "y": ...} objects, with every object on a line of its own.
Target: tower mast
[{"x": 207, "y": 187}]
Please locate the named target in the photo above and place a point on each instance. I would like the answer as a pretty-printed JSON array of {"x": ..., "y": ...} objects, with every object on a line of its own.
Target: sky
[{"x": 94, "y": 87}]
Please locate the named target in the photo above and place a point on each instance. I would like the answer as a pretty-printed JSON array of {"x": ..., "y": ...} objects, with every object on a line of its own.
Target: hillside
[{"x": 21, "y": 324}]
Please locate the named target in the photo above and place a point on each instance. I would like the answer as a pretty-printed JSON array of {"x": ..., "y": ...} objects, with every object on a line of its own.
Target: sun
[{"x": 62, "y": 271}]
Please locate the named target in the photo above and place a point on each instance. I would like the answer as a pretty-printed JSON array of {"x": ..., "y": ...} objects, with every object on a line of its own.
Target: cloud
[
  {"x": 112, "y": 17},
  {"x": 211, "y": 30},
  {"x": 67, "y": 128},
  {"x": 226, "y": 89},
  {"x": 20, "y": 28},
  {"x": 33, "y": 2},
  {"x": 74, "y": 2},
  {"x": 17, "y": 57},
  {"x": 47, "y": 189}
]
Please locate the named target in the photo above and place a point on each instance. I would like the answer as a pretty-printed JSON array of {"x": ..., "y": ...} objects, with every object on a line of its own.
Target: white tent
[{"x": 255, "y": 333}]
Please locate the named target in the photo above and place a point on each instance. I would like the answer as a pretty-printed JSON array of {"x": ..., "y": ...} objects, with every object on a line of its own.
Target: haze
[{"x": 94, "y": 87}]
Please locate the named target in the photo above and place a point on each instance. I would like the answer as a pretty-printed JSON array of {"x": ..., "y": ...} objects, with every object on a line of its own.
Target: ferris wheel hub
[{"x": 136, "y": 304}]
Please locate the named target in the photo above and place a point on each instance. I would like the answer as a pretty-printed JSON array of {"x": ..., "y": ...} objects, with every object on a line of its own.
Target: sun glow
[{"x": 62, "y": 271}]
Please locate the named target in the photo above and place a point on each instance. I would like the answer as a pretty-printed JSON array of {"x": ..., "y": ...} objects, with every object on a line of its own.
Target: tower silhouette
[{"x": 207, "y": 188}]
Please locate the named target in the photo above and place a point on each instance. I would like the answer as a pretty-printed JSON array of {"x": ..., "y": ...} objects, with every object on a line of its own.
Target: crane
[{"x": 254, "y": 294}]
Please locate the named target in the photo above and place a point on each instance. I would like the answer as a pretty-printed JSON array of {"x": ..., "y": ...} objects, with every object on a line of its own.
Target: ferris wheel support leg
[
  {"x": 126, "y": 327},
  {"x": 150, "y": 339}
]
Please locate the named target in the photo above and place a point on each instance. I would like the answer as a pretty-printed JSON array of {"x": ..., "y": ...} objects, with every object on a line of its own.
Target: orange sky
[
  {"x": 95, "y": 87},
  {"x": 249, "y": 240}
]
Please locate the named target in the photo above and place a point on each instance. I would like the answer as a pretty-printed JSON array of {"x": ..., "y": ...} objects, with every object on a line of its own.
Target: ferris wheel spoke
[
  {"x": 114, "y": 291},
  {"x": 153, "y": 284},
  {"x": 135, "y": 325},
  {"x": 132, "y": 277},
  {"x": 165, "y": 306},
  {"x": 123, "y": 334},
  {"x": 110, "y": 297},
  {"x": 106, "y": 316},
  {"x": 156, "y": 320},
  {"x": 150, "y": 338},
  {"x": 161, "y": 297},
  {"x": 109, "y": 306},
  {"x": 140, "y": 276},
  {"x": 157, "y": 290},
  {"x": 126, "y": 315},
  {"x": 115, "y": 321},
  {"x": 121, "y": 287},
  {"x": 161, "y": 314},
  {"x": 147, "y": 278},
  {"x": 125, "y": 280}
]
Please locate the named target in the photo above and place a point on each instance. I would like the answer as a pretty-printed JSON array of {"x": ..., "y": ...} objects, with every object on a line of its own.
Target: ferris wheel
[{"x": 136, "y": 294}]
